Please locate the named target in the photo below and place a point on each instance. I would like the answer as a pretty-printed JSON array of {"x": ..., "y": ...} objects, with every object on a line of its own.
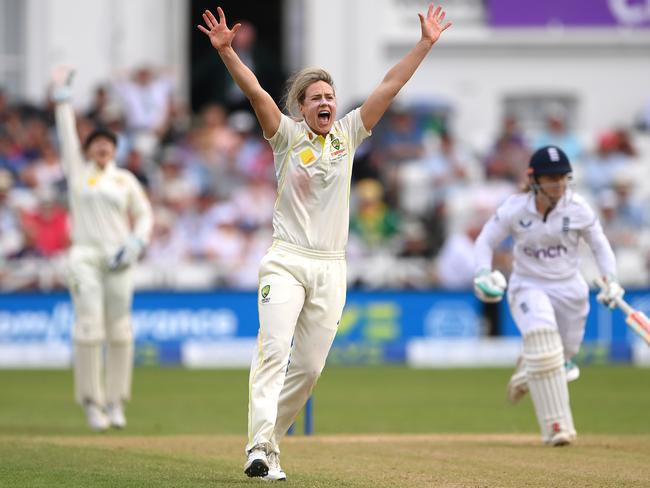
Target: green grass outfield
[{"x": 375, "y": 427}]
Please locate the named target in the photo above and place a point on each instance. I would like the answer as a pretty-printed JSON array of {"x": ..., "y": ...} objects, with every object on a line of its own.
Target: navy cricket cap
[
  {"x": 549, "y": 160},
  {"x": 100, "y": 133}
]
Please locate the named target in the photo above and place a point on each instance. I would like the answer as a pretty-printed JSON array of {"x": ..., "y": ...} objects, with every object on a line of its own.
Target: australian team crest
[
  {"x": 266, "y": 289},
  {"x": 337, "y": 148}
]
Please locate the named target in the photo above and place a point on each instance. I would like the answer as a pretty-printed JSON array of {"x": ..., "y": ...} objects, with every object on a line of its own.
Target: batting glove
[
  {"x": 62, "y": 84},
  {"x": 489, "y": 286},
  {"x": 611, "y": 292},
  {"x": 126, "y": 255}
]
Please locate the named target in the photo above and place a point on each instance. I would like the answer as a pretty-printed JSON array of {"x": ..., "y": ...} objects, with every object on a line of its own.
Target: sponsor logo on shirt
[
  {"x": 550, "y": 252},
  {"x": 307, "y": 156},
  {"x": 525, "y": 225}
]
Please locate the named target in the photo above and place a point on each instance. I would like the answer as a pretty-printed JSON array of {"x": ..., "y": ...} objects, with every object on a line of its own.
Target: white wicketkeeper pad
[
  {"x": 544, "y": 357},
  {"x": 119, "y": 367},
  {"x": 88, "y": 374}
]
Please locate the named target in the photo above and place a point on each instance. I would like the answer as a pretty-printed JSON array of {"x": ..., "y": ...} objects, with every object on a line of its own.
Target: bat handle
[{"x": 620, "y": 301}]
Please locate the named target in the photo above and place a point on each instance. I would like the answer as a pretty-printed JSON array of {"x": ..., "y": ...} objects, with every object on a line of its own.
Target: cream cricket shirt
[
  {"x": 312, "y": 207},
  {"x": 545, "y": 247},
  {"x": 101, "y": 201}
]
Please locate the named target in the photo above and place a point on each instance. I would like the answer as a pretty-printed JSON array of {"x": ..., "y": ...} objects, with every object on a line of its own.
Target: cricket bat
[{"x": 636, "y": 319}]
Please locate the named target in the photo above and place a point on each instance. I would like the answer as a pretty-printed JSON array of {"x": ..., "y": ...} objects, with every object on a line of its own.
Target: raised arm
[
  {"x": 267, "y": 112},
  {"x": 379, "y": 100},
  {"x": 66, "y": 124}
]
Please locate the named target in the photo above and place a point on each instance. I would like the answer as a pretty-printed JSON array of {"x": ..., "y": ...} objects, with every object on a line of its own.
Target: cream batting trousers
[
  {"x": 300, "y": 301},
  {"x": 102, "y": 305}
]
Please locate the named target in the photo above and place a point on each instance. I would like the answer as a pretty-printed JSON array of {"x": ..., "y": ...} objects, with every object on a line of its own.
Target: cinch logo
[{"x": 548, "y": 253}]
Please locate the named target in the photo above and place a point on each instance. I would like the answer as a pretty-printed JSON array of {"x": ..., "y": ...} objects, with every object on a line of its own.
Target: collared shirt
[
  {"x": 312, "y": 206},
  {"x": 102, "y": 201},
  {"x": 545, "y": 246}
]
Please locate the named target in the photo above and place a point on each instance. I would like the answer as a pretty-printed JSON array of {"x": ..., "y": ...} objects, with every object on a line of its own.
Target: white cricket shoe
[
  {"x": 562, "y": 438},
  {"x": 572, "y": 371},
  {"x": 275, "y": 471},
  {"x": 257, "y": 464},
  {"x": 96, "y": 418},
  {"x": 115, "y": 414}
]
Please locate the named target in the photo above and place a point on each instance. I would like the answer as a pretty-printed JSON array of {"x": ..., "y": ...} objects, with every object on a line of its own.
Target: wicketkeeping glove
[
  {"x": 62, "y": 84},
  {"x": 489, "y": 286},
  {"x": 126, "y": 255},
  {"x": 610, "y": 293}
]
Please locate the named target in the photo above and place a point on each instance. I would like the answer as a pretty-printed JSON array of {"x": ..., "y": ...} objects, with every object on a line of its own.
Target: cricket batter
[
  {"x": 302, "y": 278},
  {"x": 103, "y": 199},
  {"x": 548, "y": 297}
]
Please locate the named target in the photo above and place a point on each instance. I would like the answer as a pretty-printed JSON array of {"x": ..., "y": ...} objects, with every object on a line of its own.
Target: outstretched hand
[
  {"x": 217, "y": 30},
  {"x": 432, "y": 25},
  {"x": 62, "y": 76},
  {"x": 62, "y": 83}
]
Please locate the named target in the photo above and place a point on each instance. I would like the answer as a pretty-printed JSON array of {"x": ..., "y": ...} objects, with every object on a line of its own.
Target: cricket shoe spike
[
  {"x": 275, "y": 471},
  {"x": 96, "y": 418},
  {"x": 257, "y": 464}
]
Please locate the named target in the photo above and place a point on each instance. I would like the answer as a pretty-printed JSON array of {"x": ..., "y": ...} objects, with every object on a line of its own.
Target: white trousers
[
  {"x": 300, "y": 301},
  {"x": 562, "y": 305},
  {"x": 102, "y": 302}
]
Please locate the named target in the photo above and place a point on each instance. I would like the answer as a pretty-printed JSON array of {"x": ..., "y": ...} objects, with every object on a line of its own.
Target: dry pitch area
[{"x": 466, "y": 460}]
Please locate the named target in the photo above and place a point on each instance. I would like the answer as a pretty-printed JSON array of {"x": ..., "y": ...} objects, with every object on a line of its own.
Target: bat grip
[{"x": 620, "y": 301}]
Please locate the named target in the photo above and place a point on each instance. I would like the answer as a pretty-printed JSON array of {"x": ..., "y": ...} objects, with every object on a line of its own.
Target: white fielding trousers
[
  {"x": 300, "y": 301},
  {"x": 102, "y": 302}
]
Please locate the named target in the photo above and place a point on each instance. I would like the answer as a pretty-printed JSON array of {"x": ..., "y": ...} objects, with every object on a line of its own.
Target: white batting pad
[
  {"x": 544, "y": 359},
  {"x": 119, "y": 368},
  {"x": 88, "y": 374}
]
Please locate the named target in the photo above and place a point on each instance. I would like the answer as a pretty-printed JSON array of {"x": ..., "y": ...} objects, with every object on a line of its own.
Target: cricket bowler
[{"x": 302, "y": 278}]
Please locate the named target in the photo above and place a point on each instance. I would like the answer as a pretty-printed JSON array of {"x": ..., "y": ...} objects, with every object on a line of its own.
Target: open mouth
[{"x": 324, "y": 116}]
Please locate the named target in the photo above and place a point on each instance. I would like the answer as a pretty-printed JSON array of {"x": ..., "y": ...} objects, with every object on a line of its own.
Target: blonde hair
[{"x": 297, "y": 88}]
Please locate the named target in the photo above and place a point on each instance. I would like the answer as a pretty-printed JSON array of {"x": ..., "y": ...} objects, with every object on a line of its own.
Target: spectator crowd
[{"x": 420, "y": 193}]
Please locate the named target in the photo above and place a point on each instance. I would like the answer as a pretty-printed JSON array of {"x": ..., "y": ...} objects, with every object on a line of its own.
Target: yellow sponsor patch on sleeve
[{"x": 307, "y": 156}]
